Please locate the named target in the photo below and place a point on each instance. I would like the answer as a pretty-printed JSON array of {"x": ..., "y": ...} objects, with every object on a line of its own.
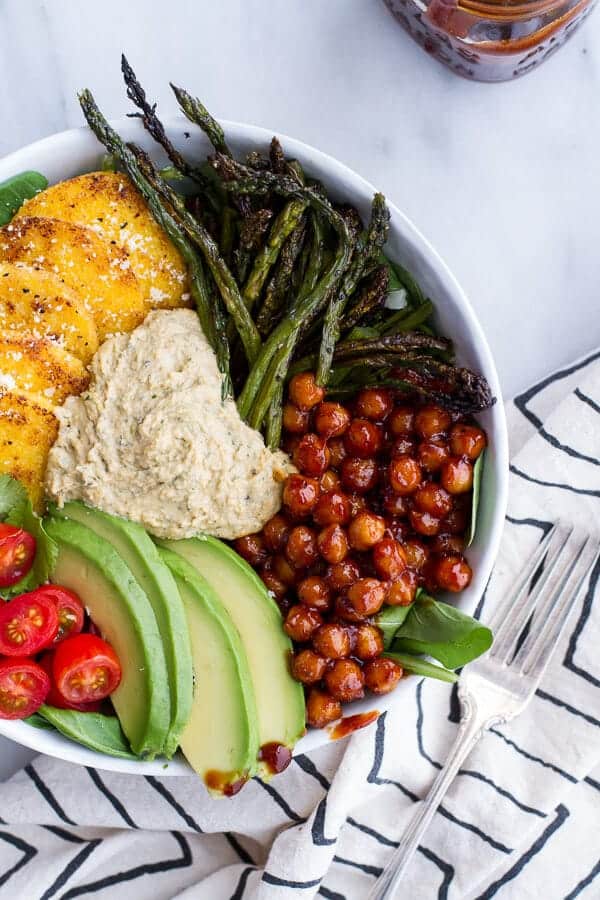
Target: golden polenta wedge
[
  {"x": 40, "y": 367},
  {"x": 109, "y": 203},
  {"x": 28, "y": 428},
  {"x": 98, "y": 271},
  {"x": 39, "y": 303}
]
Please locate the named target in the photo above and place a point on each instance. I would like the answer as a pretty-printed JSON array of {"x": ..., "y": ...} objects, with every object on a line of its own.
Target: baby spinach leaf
[
  {"x": 477, "y": 476},
  {"x": 16, "y": 509},
  {"x": 442, "y": 631},
  {"x": 37, "y": 721},
  {"x": 14, "y": 191},
  {"x": 93, "y": 730},
  {"x": 389, "y": 620},
  {"x": 416, "y": 665}
]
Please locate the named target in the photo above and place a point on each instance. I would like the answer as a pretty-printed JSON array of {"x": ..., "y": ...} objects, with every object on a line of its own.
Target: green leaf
[
  {"x": 442, "y": 631},
  {"x": 477, "y": 476},
  {"x": 93, "y": 730},
  {"x": 16, "y": 509},
  {"x": 419, "y": 666},
  {"x": 389, "y": 620},
  {"x": 12, "y": 493},
  {"x": 37, "y": 721},
  {"x": 14, "y": 191},
  {"x": 394, "y": 283}
]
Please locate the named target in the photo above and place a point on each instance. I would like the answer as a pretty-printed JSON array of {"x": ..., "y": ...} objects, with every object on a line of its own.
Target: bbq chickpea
[
  {"x": 366, "y": 596},
  {"x": 374, "y": 403},
  {"x": 433, "y": 499},
  {"x": 402, "y": 446},
  {"x": 337, "y": 452},
  {"x": 363, "y": 438},
  {"x": 457, "y": 475},
  {"x": 467, "y": 440},
  {"x": 332, "y": 641},
  {"x": 397, "y": 529},
  {"x": 301, "y": 550},
  {"x": 357, "y": 503},
  {"x": 331, "y": 419},
  {"x": 416, "y": 552},
  {"x": 365, "y": 530},
  {"x": 295, "y": 420},
  {"x": 389, "y": 559},
  {"x": 301, "y": 623},
  {"x": 359, "y": 475},
  {"x": 431, "y": 421},
  {"x": 272, "y": 582},
  {"x": 401, "y": 592},
  {"x": 344, "y": 611},
  {"x": 340, "y": 576},
  {"x": 401, "y": 421},
  {"x": 382, "y": 675},
  {"x": 369, "y": 642},
  {"x": 345, "y": 680},
  {"x": 332, "y": 508},
  {"x": 404, "y": 475},
  {"x": 333, "y": 545},
  {"x": 433, "y": 454},
  {"x": 276, "y": 532},
  {"x": 315, "y": 593},
  {"x": 395, "y": 504},
  {"x": 453, "y": 573},
  {"x": 308, "y": 667},
  {"x": 284, "y": 571},
  {"x": 330, "y": 481},
  {"x": 424, "y": 523},
  {"x": 300, "y": 495},
  {"x": 312, "y": 455},
  {"x": 304, "y": 391},
  {"x": 457, "y": 519},
  {"x": 447, "y": 544},
  {"x": 252, "y": 548},
  {"x": 321, "y": 708}
]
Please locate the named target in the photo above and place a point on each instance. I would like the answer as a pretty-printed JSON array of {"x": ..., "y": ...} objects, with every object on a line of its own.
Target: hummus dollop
[{"x": 152, "y": 440}]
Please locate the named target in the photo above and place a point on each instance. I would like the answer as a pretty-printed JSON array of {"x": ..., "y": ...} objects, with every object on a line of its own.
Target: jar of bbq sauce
[{"x": 490, "y": 40}]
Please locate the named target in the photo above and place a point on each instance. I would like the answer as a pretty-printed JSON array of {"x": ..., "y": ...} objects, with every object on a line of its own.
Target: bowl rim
[{"x": 74, "y": 142}]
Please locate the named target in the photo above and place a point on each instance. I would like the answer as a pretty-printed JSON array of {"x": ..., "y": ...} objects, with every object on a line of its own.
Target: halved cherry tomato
[
  {"x": 27, "y": 624},
  {"x": 17, "y": 552},
  {"x": 69, "y": 607},
  {"x": 23, "y": 687},
  {"x": 85, "y": 668},
  {"x": 55, "y": 698}
]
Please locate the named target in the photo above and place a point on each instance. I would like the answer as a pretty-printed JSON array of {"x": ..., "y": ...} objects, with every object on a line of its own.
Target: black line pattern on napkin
[
  {"x": 587, "y": 400},
  {"x": 284, "y": 882},
  {"x": 583, "y": 492},
  {"x": 362, "y": 867},
  {"x": 551, "y": 439},
  {"x": 241, "y": 885},
  {"x": 47, "y": 794},
  {"x": 543, "y": 695},
  {"x": 533, "y": 758},
  {"x": 528, "y": 395},
  {"x": 70, "y": 869},
  {"x": 112, "y": 799},
  {"x": 306, "y": 763},
  {"x": 330, "y": 895},
  {"x": 569, "y": 661},
  {"x": 373, "y": 777},
  {"x": 446, "y": 869},
  {"x": 235, "y": 845},
  {"x": 168, "y": 796},
  {"x": 584, "y": 883},
  {"x": 283, "y": 804},
  {"x": 377, "y": 835},
  {"x": 318, "y": 826},
  {"x": 27, "y": 850}
]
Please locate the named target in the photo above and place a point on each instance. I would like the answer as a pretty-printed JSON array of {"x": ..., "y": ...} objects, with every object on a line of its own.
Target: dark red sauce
[
  {"x": 352, "y": 723},
  {"x": 223, "y": 784},
  {"x": 276, "y": 757}
]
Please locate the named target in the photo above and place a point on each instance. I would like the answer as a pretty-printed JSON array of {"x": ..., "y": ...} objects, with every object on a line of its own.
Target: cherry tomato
[
  {"x": 85, "y": 668},
  {"x": 17, "y": 552},
  {"x": 55, "y": 698},
  {"x": 68, "y": 606},
  {"x": 27, "y": 624},
  {"x": 23, "y": 687}
]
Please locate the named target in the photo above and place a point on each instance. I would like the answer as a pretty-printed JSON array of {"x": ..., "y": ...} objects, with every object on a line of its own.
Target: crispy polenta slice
[
  {"x": 98, "y": 271},
  {"x": 40, "y": 367},
  {"x": 28, "y": 428},
  {"x": 40, "y": 304},
  {"x": 110, "y": 204}
]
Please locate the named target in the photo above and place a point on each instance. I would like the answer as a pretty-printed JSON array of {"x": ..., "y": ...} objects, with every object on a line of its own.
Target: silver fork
[{"x": 496, "y": 688}]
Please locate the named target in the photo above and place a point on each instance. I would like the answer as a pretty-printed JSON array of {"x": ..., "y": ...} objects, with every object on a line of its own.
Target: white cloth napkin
[{"x": 520, "y": 821}]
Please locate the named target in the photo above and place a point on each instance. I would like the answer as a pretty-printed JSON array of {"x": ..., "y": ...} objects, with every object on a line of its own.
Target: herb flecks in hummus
[{"x": 152, "y": 441}]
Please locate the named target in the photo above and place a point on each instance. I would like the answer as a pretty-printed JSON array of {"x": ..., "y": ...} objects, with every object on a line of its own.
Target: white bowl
[{"x": 73, "y": 152}]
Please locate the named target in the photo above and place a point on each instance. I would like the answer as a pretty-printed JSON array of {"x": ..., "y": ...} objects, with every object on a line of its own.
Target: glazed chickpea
[
  {"x": 357, "y": 503},
  {"x": 424, "y": 523},
  {"x": 395, "y": 504},
  {"x": 301, "y": 623},
  {"x": 284, "y": 571},
  {"x": 467, "y": 440},
  {"x": 345, "y": 680},
  {"x": 332, "y": 641},
  {"x": 363, "y": 438},
  {"x": 252, "y": 548},
  {"x": 430, "y": 421},
  {"x": 289, "y": 443},
  {"x": 330, "y": 481},
  {"x": 389, "y": 559},
  {"x": 457, "y": 520},
  {"x": 382, "y": 675},
  {"x": 276, "y": 532},
  {"x": 457, "y": 475},
  {"x": 369, "y": 642},
  {"x": 337, "y": 452},
  {"x": 402, "y": 446},
  {"x": 433, "y": 454},
  {"x": 300, "y": 495},
  {"x": 447, "y": 543},
  {"x": 344, "y": 610},
  {"x": 401, "y": 421},
  {"x": 311, "y": 455},
  {"x": 374, "y": 403},
  {"x": 365, "y": 530},
  {"x": 331, "y": 419},
  {"x": 359, "y": 475},
  {"x": 295, "y": 420},
  {"x": 405, "y": 475},
  {"x": 453, "y": 573},
  {"x": 340, "y": 576},
  {"x": 402, "y": 590},
  {"x": 321, "y": 708},
  {"x": 315, "y": 592},
  {"x": 433, "y": 499},
  {"x": 416, "y": 554},
  {"x": 397, "y": 529},
  {"x": 308, "y": 667},
  {"x": 333, "y": 508},
  {"x": 366, "y": 596},
  {"x": 304, "y": 391},
  {"x": 272, "y": 583},
  {"x": 301, "y": 550},
  {"x": 333, "y": 544}
]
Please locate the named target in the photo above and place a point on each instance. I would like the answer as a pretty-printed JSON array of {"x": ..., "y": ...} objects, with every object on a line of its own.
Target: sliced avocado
[
  {"x": 221, "y": 739},
  {"x": 279, "y": 698},
  {"x": 90, "y": 566},
  {"x": 140, "y": 554}
]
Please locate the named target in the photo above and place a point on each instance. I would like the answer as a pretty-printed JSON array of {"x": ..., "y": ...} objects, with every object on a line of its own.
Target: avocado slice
[
  {"x": 90, "y": 566},
  {"x": 221, "y": 739},
  {"x": 141, "y": 556},
  {"x": 279, "y": 698}
]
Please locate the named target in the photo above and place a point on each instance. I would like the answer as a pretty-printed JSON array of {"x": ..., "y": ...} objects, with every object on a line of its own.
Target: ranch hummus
[{"x": 152, "y": 441}]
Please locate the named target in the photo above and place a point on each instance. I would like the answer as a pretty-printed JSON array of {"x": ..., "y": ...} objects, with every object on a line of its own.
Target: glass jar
[{"x": 490, "y": 40}]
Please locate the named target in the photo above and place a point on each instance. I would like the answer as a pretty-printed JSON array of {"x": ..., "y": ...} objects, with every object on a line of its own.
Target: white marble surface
[{"x": 503, "y": 179}]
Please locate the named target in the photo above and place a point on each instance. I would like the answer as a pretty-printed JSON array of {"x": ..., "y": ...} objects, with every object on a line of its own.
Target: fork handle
[{"x": 472, "y": 726}]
